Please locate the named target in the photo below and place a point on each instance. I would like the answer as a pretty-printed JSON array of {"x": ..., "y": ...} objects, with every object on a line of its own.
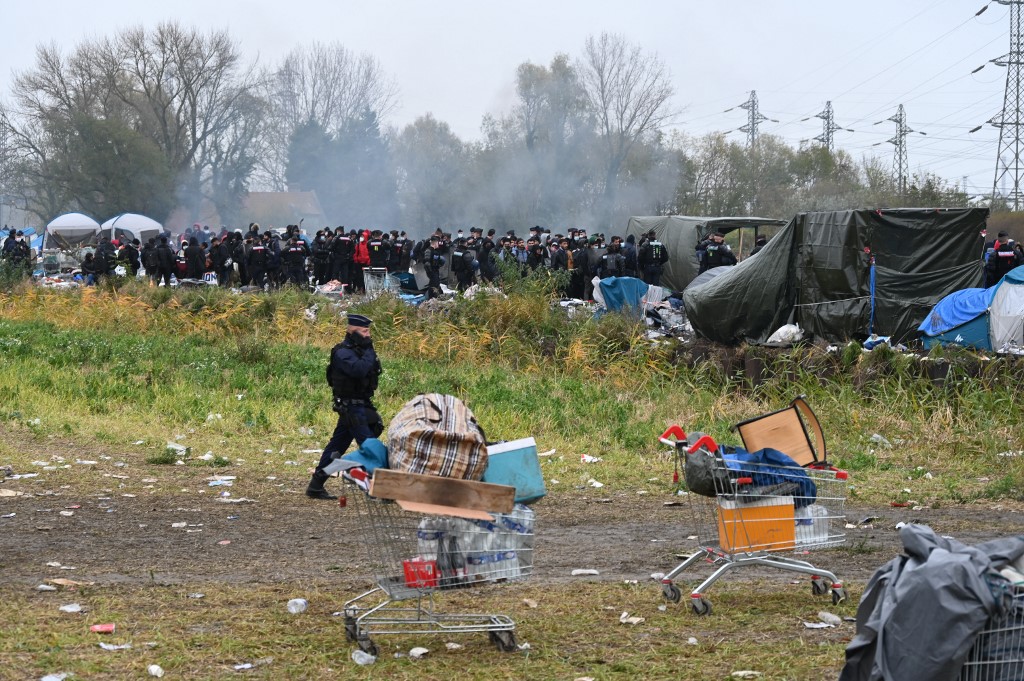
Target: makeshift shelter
[
  {"x": 844, "y": 274},
  {"x": 681, "y": 233},
  {"x": 706, "y": 276},
  {"x": 131, "y": 226},
  {"x": 71, "y": 229},
  {"x": 979, "y": 318}
]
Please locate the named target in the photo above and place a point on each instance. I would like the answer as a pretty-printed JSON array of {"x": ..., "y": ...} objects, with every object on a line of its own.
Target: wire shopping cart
[
  {"x": 376, "y": 280},
  {"x": 415, "y": 555},
  {"x": 758, "y": 510},
  {"x": 998, "y": 651}
]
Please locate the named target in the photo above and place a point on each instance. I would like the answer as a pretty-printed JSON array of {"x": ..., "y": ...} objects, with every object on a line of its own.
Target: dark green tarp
[
  {"x": 816, "y": 272},
  {"x": 681, "y": 234}
]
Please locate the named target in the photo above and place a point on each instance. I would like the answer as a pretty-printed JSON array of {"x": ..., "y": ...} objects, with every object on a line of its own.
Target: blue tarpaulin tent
[{"x": 980, "y": 318}]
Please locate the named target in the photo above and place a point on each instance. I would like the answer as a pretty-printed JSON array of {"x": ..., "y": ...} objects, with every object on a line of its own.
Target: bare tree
[
  {"x": 628, "y": 92},
  {"x": 323, "y": 84}
]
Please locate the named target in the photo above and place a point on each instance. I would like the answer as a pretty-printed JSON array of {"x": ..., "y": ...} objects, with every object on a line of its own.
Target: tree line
[{"x": 147, "y": 120}]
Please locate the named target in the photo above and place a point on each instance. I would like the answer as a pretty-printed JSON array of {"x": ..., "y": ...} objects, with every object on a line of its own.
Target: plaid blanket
[{"x": 436, "y": 434}]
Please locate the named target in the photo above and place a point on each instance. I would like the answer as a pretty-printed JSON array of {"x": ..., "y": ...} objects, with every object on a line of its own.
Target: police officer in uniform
[
  {"x": 651, "y": 258},
  {"x": 714, "y": 252},
  {"x": 352, "y": 373}
]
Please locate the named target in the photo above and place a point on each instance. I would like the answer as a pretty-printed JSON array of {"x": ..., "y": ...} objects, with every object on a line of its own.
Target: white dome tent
[
  {"x": 71, "y": 229},
  {"x": 131, "y": 226}
]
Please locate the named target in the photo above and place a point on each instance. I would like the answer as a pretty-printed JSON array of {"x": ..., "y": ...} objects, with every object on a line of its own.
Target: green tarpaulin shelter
[
  {"x": 845, "y": 274},
  {"x": 681, "y": 234}
]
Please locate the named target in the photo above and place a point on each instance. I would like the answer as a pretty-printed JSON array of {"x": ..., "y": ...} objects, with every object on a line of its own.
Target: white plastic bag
[{"x": 789, "y": 333}]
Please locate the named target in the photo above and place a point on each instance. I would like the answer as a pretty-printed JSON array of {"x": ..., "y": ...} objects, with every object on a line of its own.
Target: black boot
[{"x": 316, "y": 490}]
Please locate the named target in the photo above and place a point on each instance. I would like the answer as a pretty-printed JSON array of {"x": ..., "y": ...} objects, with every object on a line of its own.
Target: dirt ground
[{"x": 120, "y": 530}]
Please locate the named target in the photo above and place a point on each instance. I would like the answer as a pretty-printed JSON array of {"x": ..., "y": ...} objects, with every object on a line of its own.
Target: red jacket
[{"x": 362, "y": 253}]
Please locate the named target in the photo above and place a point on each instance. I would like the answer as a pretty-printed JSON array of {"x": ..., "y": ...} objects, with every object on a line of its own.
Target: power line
[{"x": 1009, "y": 163}]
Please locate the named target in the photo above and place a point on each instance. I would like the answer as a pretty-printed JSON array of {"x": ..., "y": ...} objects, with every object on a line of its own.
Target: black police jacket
[{"x": 353, "y": 371}]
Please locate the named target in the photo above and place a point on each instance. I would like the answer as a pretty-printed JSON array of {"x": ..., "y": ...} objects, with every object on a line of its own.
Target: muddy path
[{"x": 175, "y": 539}]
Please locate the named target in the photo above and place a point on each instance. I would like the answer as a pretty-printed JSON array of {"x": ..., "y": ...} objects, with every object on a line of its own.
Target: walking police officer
[{"x": 352, "y": 373}]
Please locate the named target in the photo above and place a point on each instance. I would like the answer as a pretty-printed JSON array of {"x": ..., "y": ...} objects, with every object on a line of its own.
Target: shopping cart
[
  {"x": 376, "y": 280},
  {"x": 998, "y": 651},
  {"x": 760, "y": 509},
  {"x": 414, "y": 555}
]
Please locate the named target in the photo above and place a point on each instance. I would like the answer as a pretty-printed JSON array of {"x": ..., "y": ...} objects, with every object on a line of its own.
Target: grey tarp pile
[{"x": 921, "y": 612}]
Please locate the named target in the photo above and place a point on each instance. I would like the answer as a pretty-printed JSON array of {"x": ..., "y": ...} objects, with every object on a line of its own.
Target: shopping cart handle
[
  {"x": 706, "y": 441},
  {"x": 674, "y": 431}
]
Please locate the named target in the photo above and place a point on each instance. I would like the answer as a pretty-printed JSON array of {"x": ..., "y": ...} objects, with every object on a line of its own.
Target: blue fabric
[
  {"x": 973, "y": 334},
  {"x": 871, "y": 321},
  {"x": 371, "y": 455},
  {"x": 622, "y": 292},
  {"x": 770, "y": 467},
  {"x": 957, "y": 308}
]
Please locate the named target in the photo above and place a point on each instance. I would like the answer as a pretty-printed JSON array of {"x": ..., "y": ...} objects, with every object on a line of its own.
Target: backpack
[{"x": 434, "y": 434}]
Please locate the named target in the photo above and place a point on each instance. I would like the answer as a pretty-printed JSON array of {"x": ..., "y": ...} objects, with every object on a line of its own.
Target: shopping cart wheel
[
  {"x": 819, "y": 587},
  {"x": 350, "y": 628},
  {"x": 368, "y": 646},
  {"x": 504, "y": 640},
  {"x": 671, "y": 592},
  {"x": 838, "y": 595},
  {"x": 701, "y": 606}
]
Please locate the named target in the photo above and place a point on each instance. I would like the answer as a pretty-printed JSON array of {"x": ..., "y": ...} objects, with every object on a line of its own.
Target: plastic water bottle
[{"x": 297, "y": 606}]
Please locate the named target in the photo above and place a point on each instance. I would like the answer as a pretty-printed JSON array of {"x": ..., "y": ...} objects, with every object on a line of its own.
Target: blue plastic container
[{"x": 516, "y": 464}]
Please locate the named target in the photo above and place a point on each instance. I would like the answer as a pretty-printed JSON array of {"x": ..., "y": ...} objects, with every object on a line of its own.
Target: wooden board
[
  {"x": 431, "y": 489},
  {"x": 434, "y": 509}
]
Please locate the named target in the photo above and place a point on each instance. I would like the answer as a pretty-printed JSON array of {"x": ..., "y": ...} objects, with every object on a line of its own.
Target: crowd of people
[{"x": 269, "y": 259}]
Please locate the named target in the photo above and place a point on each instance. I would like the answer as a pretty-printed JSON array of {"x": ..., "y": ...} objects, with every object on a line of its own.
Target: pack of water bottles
[{"x": 460, "y": 552}]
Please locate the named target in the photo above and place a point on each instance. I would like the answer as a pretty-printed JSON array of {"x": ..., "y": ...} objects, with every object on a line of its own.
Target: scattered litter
[
  {"x": 524, "y": 646},
  {"x": 879, "y": 439},
  {"x": 60, "y": 676},
  {"x": 178, "y": 524},
  {"x": 899, "y": 504},
  {"x": 236, "y": 500},
  {"x": 747, "y": 674},
  {"x": 103, "y": 628},
  {"x": 530, "y": 603},
  {"x": 1019, "y": 452},
  {"x": 70, "y": 607},
  {"x": 297, "y": 605},
  {"x": 245, "y": 665},
  {"x": 866, "y": 520},
  {"x": 584, "y": 678},
  {"x": 155, "y": 670},
  {"x": 663, "y": 608},
  {"x": 296, "y": 463},
  {"x": 691, "y": 641},
  {"x": 362, "y": 658},
  {"x": 624, "y": 618},
  {"x": 111, "y": 646},
  {"x": 67, "y": 514},
  {"x": 10, "y": 493},
  {"x": 418, "y": 653},
  {"x": 674, "y": 503},
  {"x": 900, "y": 525},
  {"x": 550, "y": 452},
  {"x": 829, "y": 618},
  {"x": 40, "y": 463},
  {"x": 306, "y": 430},
  {"x": 197, "y": 595},
  {"x": 74, "y": 506},
  {"x": 223, "y": 542},
  {"x": 139, "y": 442},
  {"x": 207, "y": 457},
  {"x": 86, "y": 463},
  {"x": 630, "y": 581},
  {"x": 60, "y": 581},
  {"x": 850, "y": 526},
  {"x": 8, "y": 515},
  {"x": 587, "y": 458},
  {"x": 46, "y": 587},
  {"x": 928, "y": 475},
  {"x": 53, "y": 564},
  {"x": 220, "y": 483},
  {"x": 907, "y": 490},
  {"x": 128, "y": 496},
  {"x": 595, "y": 483},
  {"x": 177, "y": 448},
  {"x": 657, "y": 576},
  {"x": 581, "y": 572},
  {"x": 692, "y": 536},
  {"x": 453, "y": 646},
  {"x": 553, "y": 482},
  {"x": 817, "y": 625}
]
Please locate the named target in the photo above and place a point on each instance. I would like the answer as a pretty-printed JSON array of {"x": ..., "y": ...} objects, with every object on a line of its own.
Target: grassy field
[{"x": 242, "y": 377}]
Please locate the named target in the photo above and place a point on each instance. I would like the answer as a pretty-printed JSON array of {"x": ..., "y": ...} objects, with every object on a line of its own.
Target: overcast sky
[{"x": 457, "y": 59}]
